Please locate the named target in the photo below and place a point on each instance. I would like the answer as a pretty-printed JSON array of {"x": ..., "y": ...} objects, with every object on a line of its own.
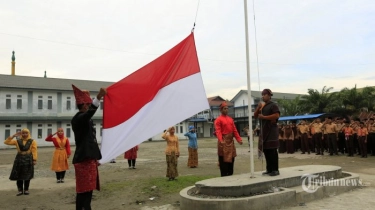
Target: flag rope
[{"x": 195, "y": 20}]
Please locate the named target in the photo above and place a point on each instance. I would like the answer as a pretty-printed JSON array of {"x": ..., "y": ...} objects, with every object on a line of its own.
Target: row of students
[{"x": 332, "y": 136}]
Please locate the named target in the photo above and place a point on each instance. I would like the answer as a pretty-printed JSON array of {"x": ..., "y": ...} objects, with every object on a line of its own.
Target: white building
[{"x": 44, "y": 104}]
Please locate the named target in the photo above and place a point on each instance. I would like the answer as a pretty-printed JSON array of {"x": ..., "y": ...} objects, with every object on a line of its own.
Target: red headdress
[
  {"x": 223, "y": 104},
  {"x": 82, "y": 97}
]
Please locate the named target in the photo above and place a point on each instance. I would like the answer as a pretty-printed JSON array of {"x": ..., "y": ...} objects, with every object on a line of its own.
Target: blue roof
[
  {"x": 198, "y": 120},
  {"x": 301, "y": 117}
]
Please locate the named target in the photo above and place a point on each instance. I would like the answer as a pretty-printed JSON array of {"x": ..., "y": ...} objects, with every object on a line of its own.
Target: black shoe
[
  {"x": 62, "y": 181},
  {"x": 26, "y": 192},
  {"x": 266, "y": 173},
  {"x": 134, "y": 167},
  {"x": 274, "y": 173}
]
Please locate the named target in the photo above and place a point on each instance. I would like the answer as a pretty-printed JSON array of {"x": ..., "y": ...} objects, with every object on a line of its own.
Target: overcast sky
[{"x": 301, "y": 43}]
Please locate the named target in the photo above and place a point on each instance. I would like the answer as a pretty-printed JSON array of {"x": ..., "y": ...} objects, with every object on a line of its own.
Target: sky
[{"x": 297, "y": 45}]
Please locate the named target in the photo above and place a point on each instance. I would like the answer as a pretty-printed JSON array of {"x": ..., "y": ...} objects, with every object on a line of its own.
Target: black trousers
[
  {"x": 305, "y": 143},
  {"x": 341, "y": 142},
  {"x": 332, "y": 142},
  {"x": 371, "y": 143},
  {"x": 83, "y": 201},
  {"x": 23, "y": 185},
  {"x": 362, "y": 145},
  {"x": 355, "y": 144},
  {"x": 349, "y": 145},
  {"x": 131, "y": 163},
  {"x": 319, "y": 143},
  {"x": 272, "y": 159},
  {"x": 226, "y": 169},
  {"x": 325, "y": 142},
  {"x": 60, "y": 175}
]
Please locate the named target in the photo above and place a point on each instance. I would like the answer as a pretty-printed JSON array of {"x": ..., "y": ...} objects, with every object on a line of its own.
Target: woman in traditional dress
[
  {"x": 23, "y": 166},
  {"x": 192, "y": 148},
  {"x": 60, "y": 155},
  {"x": 172, "y": 152},
  {"x": 131, "y": 155}
]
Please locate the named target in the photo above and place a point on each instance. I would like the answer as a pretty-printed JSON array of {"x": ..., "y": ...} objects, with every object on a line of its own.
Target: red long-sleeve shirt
[
  {"x": 54, "y": 140},
  {"x": 224, "y": 125}
]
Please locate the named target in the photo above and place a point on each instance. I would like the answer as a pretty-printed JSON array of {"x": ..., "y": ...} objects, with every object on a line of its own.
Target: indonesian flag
[{"x": 159, "y": 95}]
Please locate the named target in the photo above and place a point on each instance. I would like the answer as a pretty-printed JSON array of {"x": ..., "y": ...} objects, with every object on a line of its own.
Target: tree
[
  {"x": 290, "y": 107},
  {"x": 318, "y": 102}
]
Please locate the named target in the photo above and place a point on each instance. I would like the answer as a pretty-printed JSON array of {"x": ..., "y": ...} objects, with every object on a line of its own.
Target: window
[
  {"x": 176, "y": 129},
  {"x": 7, "y": 133},
  {"x": 40, "y": 133},
  {"x": 40, "y": 102},
  {"x": 101, "y": 129},
  {"x": 101, "y": 105},
  {"x": 68, "y": 105},
  {"x": 19, "y": 101},
  {"x": 181, "y": 129},
  {"x": 49, "y": 105},
  {"x": 67, "y": 132},
  {"x": 7, "y": 103},
  {"x": 49, "y": 131}
]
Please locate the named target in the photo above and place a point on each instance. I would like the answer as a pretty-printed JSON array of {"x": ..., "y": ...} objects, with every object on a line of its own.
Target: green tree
[
  {"x": 318, "y": 102},
  {"x": 290, "y": 107}
]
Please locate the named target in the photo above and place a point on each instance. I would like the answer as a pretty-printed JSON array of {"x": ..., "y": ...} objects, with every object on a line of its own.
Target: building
[
  {"x": 240, "y": 105},
  {"x": 44, "y": 104},
  {"x": 238, "y": 110}
]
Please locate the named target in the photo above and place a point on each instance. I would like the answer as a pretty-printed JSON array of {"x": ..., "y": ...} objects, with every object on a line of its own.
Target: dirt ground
[{"x": 123, "y": 188}]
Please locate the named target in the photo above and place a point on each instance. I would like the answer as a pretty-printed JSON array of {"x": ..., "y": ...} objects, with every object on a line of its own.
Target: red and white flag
[{"x": 161, "y": 94}]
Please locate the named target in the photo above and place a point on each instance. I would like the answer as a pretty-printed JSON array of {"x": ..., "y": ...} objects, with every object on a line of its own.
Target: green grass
[
  {"x": 144, "y": 186},
  {"x": 168, "y": 187}
]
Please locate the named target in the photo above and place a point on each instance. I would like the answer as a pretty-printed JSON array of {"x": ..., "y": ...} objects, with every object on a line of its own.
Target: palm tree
[
  {"x": 368, "y": 95},
  {"x": 290, "y": 107},
  {"x": 352, "y": 99},
  {"x": 318, "y": 102}
]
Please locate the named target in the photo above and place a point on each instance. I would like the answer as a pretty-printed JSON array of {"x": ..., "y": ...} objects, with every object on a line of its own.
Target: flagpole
[{"x": 249, "y": 94}]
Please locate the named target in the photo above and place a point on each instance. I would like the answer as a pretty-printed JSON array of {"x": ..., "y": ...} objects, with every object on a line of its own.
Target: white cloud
[{"x": 301, "y": 44}]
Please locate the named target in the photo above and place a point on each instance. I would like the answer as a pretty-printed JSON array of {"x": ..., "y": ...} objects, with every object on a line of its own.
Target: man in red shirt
[{"x": 225, "y": 132}]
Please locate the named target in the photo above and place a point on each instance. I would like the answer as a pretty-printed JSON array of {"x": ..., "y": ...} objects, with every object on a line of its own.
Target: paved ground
[{"x": 46, "y": 194}]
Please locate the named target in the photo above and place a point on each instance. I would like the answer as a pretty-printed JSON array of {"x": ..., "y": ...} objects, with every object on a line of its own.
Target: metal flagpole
[{"x": 249, "y": 95}]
